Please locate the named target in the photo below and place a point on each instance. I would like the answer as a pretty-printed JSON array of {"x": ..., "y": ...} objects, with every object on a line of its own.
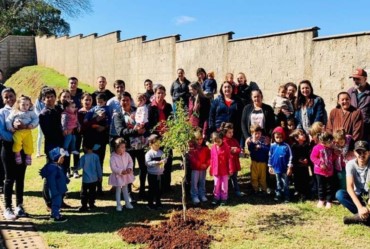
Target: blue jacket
[
  {"x": 56, "y": 179},
  {"x": 259, "y": 155},
  {"x": 316, "y": 112},
  {"x": 280, "y": 157}
]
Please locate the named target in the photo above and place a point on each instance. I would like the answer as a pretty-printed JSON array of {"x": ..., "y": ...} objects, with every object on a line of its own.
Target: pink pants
[{"x": 221, "y": 187}]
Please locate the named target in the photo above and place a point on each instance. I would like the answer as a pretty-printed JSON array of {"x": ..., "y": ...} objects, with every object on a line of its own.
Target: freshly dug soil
[{"x": 174, "y": 233}]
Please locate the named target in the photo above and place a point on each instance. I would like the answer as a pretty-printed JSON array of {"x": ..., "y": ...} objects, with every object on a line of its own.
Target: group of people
[{"x": 291, "y": 138}]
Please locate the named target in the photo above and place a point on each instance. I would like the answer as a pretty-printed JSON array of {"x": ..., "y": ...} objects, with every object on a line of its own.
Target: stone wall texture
[
  {"x": 16, "y": 52},
  {"x": 270, "y": 60}
]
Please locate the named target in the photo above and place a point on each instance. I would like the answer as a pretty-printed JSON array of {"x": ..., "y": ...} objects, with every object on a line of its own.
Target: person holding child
[
  {"x": 70, "y": 126},
  {"x": 24, "y": 114},
  {"x": 122, "y": 173}
]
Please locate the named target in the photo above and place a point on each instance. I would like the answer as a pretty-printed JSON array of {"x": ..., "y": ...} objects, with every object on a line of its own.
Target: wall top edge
[
  {"x": 9, "y": 36},
  {"x": 142, "y": 37},
  {"x": 341, "y": 36},
  {"x": 117, "y": 32},
  {"x": 177, "y": 37},
  {"x": 315, "y": 29},
  {"x": 93, "y": 34},
  {"x": 230, "y": 34}
]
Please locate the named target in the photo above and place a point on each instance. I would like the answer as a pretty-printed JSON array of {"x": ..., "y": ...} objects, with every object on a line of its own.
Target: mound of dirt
[{"x": 174, "y": 233}]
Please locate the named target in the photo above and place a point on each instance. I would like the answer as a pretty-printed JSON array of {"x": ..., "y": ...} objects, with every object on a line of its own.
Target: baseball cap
[
  {"x": 359, "y": 72},
  {"x": 55, "y": 153},
  {"x": 361, "y": 145}
]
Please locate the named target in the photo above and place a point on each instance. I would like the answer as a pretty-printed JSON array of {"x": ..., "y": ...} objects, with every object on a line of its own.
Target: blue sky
[{"x": 195, "y": 18}]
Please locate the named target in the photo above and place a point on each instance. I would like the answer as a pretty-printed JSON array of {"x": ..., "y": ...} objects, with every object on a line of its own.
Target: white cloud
[{"x": 184, "y": 20}]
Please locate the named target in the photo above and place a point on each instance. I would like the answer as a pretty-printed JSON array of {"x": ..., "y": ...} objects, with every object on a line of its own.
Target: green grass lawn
[{"x": 252, "y": 222}]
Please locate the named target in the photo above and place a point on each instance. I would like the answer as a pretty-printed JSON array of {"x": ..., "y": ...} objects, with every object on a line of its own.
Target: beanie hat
[
  {"x": 280, "y": 130},
  {"x": 56, "y": 153}
]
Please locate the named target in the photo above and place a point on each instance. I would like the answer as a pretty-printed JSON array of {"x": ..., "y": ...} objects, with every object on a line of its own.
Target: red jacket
[
  {"x": 220, "y": 159},
  {"x": 234, "y": 164},
  {"x": 200, "y": 157}
]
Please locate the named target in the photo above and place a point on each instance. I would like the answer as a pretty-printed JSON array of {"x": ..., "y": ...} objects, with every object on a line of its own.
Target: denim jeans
[
  {"x": 198, "y": 183},
  {"x": 56, "y": 203},
  {"x": 282, "y": 185},
  {"x": 345, "y": 199},
  {"x": 69, "y": 143}
]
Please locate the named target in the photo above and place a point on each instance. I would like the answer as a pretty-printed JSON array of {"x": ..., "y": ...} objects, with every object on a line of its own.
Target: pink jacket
[
  {"x": 118, "y": 163},
  {"x": 323, "y": 155},
  {"x": 69, "y": 120},
  {"x": 234, "y": 156},
  {"x": 220, "y": 159}
]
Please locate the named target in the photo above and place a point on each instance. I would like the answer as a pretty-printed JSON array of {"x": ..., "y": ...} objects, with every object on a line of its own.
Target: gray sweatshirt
[{"x": 152, "y": 159}]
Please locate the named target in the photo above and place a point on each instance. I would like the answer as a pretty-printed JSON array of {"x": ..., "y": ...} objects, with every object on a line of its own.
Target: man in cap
[
  {"x": 360, "y": 98},
  {"x": 358, "y": 181}
]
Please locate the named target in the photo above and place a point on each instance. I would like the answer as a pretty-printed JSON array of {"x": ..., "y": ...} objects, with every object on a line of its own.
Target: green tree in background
[{"x": 39, "y": 17}]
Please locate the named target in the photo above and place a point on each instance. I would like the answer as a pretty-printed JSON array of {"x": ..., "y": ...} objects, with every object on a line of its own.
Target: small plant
[{"x": 178, "y": 136}]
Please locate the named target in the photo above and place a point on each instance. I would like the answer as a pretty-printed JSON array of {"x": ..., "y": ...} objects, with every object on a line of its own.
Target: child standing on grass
[
  {"x": 323, "y": 157},
  {"x": 24, "y": 114},
  {"x": 227, "y": 130},
  {"x": 259, "y": 153},
  {"x": 301, "y": 163},
  {"x": 343, "y": 148},
  {"x": 92, "y": 174},
  {"x": 280, "y": 163},
  {"x": 199, "y": 158},
  {"x": 70, "y": 126},
  {"x": 220, "y": 170},
  {"x": 122, "y": 174},
  {"x": 56, "y": 182},
  {"x": 154, "y": 160}
]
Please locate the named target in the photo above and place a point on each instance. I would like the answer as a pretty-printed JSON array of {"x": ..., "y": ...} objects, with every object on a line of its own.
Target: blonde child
[
  {"x": 280, "y": 163},
  {"x": 141, "y": 121},
  {"x": 154, "y": 160},
  {"x": 227, "y": 130},
  {"x": 220, "y": 170},
  {"x": 315, "y": 129},
  {"x": 343, "y": 148},
  {"x": 323, "y": 157},
  {"x": 209, "y": 86},
  {"x": 280, "y": 103},
  {"x": 122, "y": 174},
  {"x": 70, "y": 126},
  {"x": 24, "y": 114},
  {"x": 199, "y": 159},
  {"x": 259, "y": 152}
]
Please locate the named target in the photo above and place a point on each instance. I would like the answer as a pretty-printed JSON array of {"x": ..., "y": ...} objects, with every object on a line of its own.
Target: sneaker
[
  {"x": 223, "y": 203},
  {"x": 60, "y": 219},
  {"x": 239, "y": 194},
  {"x": 75, "y": 152},
  {"x": 9, "y": 214},
  {"x": 203, "y": 199},
  {"x": 320, "y": 204},
  {"x": 28, "y": 160},
  {"x": 83, "y": 209},
  {"x": 328, "y": 205},
  {"x": 268, "y": 191},
  {"x": 66, "y": 153},
  {"x": 215, "y": 201},
  {"x": 129, "y": 206},
  {"x": 76, "y": 175},
  {"x": 276, "y": 198},
  {"x": 69, "y": 175},
  {"x": 19, "y": 212},
  {"x": 119, "y": 208},
  {"x": 286, "y": 201},
  {"x": 196, "y": 200}
]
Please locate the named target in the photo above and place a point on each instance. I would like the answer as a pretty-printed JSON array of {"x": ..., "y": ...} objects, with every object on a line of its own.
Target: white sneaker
[
  {"x": 196, "y": 200},
  {"x": 76, "y": 175},
  {"x": 9, "y": 214},
  {"x": 203, "y": 199},
  {"x": 75, "y": 152},
  {"x": 66, "y": 153},
  {"x": 320, "y": 204},
  {"x": 328, "y": 205},
  {"x": 119, "y": 208},
  {"x": 129, "y": 205},
  {"x": 19, "y": 211}
]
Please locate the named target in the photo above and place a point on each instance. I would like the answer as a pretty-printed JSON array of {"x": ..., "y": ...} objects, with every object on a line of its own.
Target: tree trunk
[{"x": 183, "y": 183}]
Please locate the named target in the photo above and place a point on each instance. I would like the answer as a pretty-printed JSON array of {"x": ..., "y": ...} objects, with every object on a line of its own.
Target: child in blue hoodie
[
  {"x": 280, "y": 163},
  {"x": 56, "y": 182}
]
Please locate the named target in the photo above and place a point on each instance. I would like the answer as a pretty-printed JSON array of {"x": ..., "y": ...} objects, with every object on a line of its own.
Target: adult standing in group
[
  {"x": 199, "y": 107},
  {"x": 148, "y": 84},
  {"x": 114, "y": 103},
  {"x": 76, "y": 93},
  {"x": 346, "y": 117},
  {"x": 258, "y": 113},
  {"x": 201, "y": 75},
  {"x": 159, "y": 111},
  {"x": 102, "y": 83},
  {"x": 245, "y": 89},
  {"x": 226, "y": 108},
  {"x": 360, "y": 98},
  {"x": 13, "y": 173},
  {"x": 124, "y": 126},
  {"x": 309, "y": 107},
  {"x": 180, "y": 89}
]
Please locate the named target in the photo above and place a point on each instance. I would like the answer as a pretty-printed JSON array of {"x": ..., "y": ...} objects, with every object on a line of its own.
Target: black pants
[
  {"x": 88, "y": 193},
  {"x": 139, "y": 155},
  {"x": 155, "y": 189},
  {"x": 101, "y": 153},
  {"x": 325, "y": 187},
  {"x": 302, "y": 180},
  {"x": 13, "y": 174},
  {"x": 166, "y": 178}
]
